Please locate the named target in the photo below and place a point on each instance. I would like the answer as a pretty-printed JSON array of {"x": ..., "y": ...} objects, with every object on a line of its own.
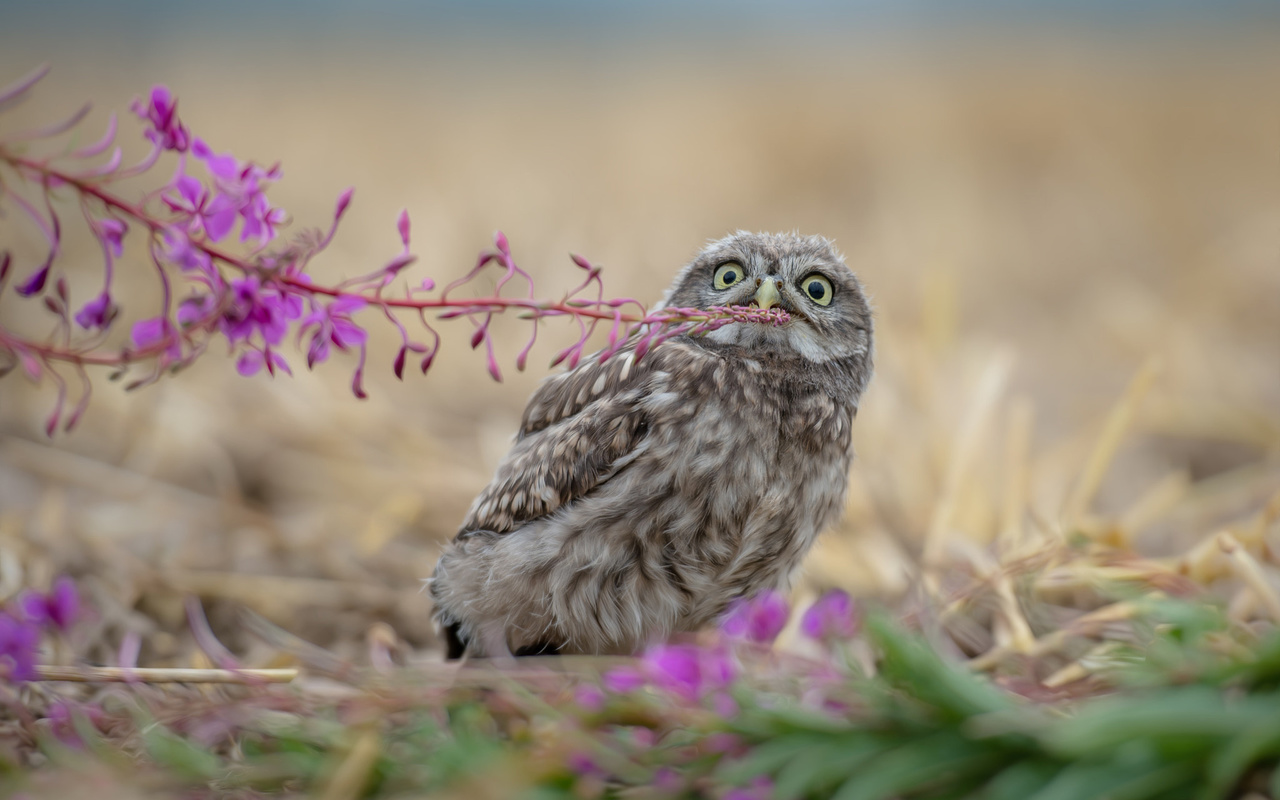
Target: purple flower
[
  {"x": 759, "y": 619},
  {"x": 623, "y": 680},
  {"x": 667, "y": 781},
  {"x": 111, "y": 231},
  {"x": 243, "y": 187},
  {"x": 687, "y": 670},
  {"x": 582, "y": 764},
  {"x": 215, "y": 215},
  {"x": 675, "y": 668},
  {"x": 59, "y": 607},
  {"x": 34, "y": 284},
  {"x": 19, "y": 639},
  {"x": 147, "y": 333},
  {"x": 260, "y": 219},
  {"x": 252, "y": 361},
  {"x": 195, "y": 308},
  {"x": 258, "y": 309},
  {"x": 179, "y": 250},
  {"x": 833, "y": 616},
  {"x": 333, "y": 325},
  {"x": 224, "y": 166},
  {"x": 589, "y": 697},
  {"x": 97, "y": 313},
  {"x": 760, "y": 789},
  {"x": 62, "y": 720},
  {"x": 162, "y": 114}
]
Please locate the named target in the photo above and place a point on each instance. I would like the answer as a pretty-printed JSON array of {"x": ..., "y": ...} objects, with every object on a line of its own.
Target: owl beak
[{"x": 767, "y": 295}]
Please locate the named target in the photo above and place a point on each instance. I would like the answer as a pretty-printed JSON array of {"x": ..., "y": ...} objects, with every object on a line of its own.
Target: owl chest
[{"x": 762, "y": 468}]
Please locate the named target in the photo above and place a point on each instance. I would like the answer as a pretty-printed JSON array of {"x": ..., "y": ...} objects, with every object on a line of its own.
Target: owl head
[{"x": 803, "y": 275}]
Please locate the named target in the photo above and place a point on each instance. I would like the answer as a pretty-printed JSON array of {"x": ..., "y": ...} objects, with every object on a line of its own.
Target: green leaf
[
  {"x": 1116, "y": 781},
  {"x": 822, "y": 767},
  {"x": 919, "y": 763},
  {"x": 912, "y": 666},
  {"x": 1229, "y": 764},
  {"x": 1021, "y": 780},
  {"x": 181, "y": 756},
  {"x": 1177, "y": 721},
  {"x": 768, "y": 758}
]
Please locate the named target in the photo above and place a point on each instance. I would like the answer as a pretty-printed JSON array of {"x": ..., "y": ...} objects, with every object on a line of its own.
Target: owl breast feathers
[{"x": 643, "y": 495}]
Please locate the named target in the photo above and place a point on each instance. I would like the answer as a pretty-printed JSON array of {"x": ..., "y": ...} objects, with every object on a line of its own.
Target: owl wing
[{"x": 579, "y": 428}]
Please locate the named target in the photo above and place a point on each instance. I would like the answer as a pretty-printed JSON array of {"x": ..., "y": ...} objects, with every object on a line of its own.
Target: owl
[{"x": 644, "y": 494}]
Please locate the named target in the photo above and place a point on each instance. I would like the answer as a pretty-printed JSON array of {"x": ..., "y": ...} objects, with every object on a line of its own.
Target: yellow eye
[
  {"x": 728, "y": 274},
  {"x": 818, "y": 288}
]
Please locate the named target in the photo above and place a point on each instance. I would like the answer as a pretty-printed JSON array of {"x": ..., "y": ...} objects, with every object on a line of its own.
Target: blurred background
[{"x": 1044, "y": 199}]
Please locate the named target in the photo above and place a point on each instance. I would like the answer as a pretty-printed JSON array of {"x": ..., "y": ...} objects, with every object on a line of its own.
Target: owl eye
[
  {"x": 728, "y": 274},
  {"x": 818, "y": 288}
]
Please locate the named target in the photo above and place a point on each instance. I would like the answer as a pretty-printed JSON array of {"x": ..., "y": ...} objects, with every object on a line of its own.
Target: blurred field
[{"x": 1039, "y": 218}]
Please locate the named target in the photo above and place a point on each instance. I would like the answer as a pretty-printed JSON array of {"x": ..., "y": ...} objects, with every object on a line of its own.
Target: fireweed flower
[
  {"x": 97, "y": 313},
  {"x": 215, "y": 215},
  {"x": 589, "y": 697},
  {"x": 623, "y": 680},
  {"x": 251, "y": 362},
  {"x": 147, "y": 333},
  {"x": 111, "y": 231},
  {"x": 689, "y": 671},
  {"x": 58, "y": 608},
  {"x": 760, "y": 789},
  {"x": 833, "y": 616},
  {"x": 255, "y": 308},
  {"x": 19, "y": 639},
  {"x": 759, "y": 619},
  {"x": 161, "y": 114},
  {"x": 179, "y": 251},
  {"x": 244, "y": 190},
  {"x": 195, "y": 308},
  {"x": 333, "y": 325}
]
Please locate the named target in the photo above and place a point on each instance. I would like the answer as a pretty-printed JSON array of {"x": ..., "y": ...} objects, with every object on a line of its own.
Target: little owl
[{"x": 643, "y": 495}]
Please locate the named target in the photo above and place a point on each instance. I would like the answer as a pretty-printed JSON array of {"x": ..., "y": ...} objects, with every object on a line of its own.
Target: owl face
[{"x": 803, "y": 275}]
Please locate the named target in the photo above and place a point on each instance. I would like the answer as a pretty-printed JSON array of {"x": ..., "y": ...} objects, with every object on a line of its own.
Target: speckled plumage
[{"x": 643, "y": 495}]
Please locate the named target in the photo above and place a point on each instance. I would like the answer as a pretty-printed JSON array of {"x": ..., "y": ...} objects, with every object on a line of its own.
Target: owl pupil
[
  {"x": 817, "y": 291},
  {"x": 731, "y": 277}
]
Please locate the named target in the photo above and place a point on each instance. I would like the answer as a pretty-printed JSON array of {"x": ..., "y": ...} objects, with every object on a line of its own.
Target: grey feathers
[{"x": 642, "y": 496}]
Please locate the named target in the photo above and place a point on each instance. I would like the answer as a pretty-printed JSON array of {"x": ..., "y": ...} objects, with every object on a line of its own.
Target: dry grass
[{"x": 1074, "y": 251}]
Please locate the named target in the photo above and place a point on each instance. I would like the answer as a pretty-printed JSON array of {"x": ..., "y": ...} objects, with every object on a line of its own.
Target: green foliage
[{"x": 1192, "y": 711}]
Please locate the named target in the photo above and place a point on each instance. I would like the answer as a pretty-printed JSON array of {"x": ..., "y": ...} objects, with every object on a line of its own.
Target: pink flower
[
  {"x": 243, "y": 186},
  {"x": 179, "y": 250},
  {"x": 97, "y": 313},
  {"x": 19, "y": 640},
  {"x": 215, "y": 215},
  {"x": 147, "y": 333},
  {"x": 759, "y": 619},
  {"x": 689, "y": 671},
  {"x": 111, "y": 231},
  {"x": 162, "y": 114},
  {"x": 760, "y": 789},
  {"x": 833, "y": 616},
  {"x": 34, "y": 284},
  {"x": 623, "y": 680},
  {"x": 59, "y": 607},
  {"x": 255, "y": 308},
  {"x": 252, "y": 361},
  {"x": 333, "y": 325},
  {"x": 260, "y": 219},
  {"x": 589, "y": 697},
  {"x": 194, "y": 309}
]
